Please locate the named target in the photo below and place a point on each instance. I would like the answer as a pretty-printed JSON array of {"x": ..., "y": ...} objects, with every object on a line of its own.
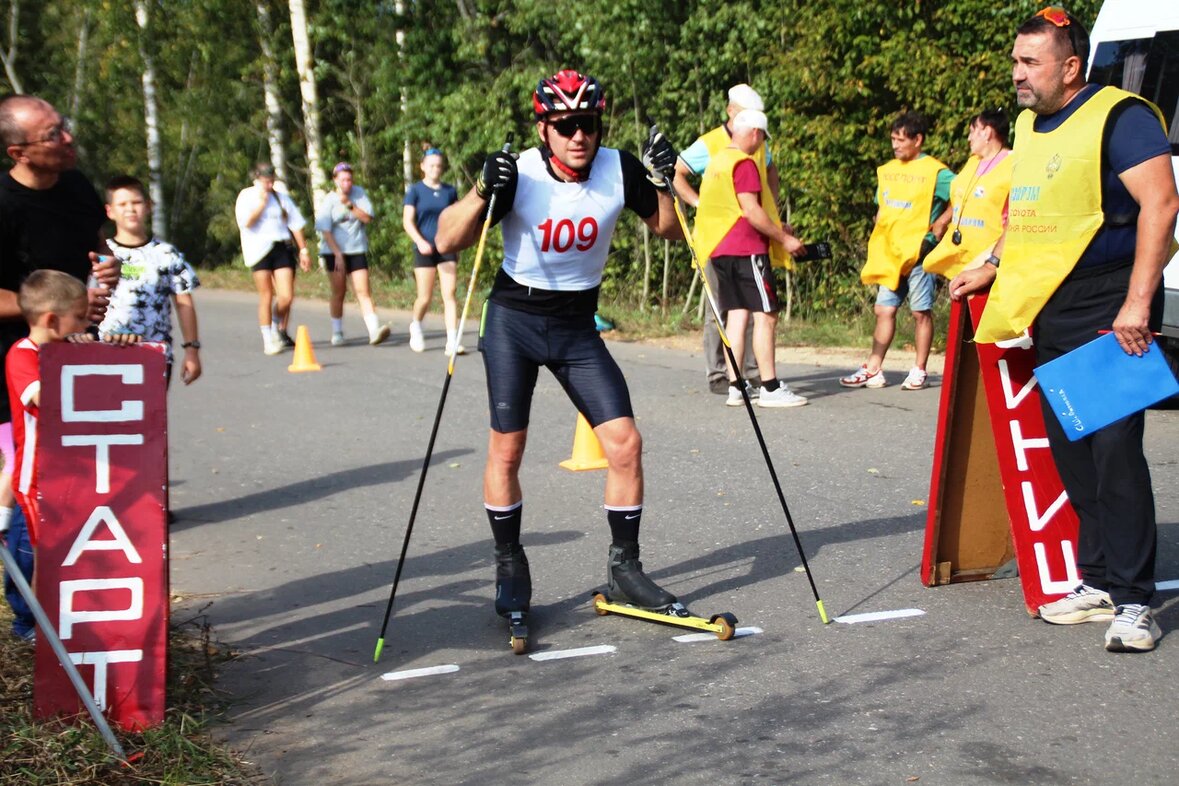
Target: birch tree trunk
[
  {"x": 278, "y": 156},
  {"x": 8, "y": 54},
  {"x": 80, "y": 69},
  {"x": 406, "y": 155},
  {"x": 307, "y": 89},
  {"x": 159, "y": 214}
]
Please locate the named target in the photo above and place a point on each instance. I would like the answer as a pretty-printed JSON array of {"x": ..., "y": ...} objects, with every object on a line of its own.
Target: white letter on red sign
[
  {"x": 1035, "y": 520},
  {"x": 99, "y": 660},
  {"x": 1021, "y": 445},
  {"x": 128, "y": 410},
  {"x": 1010, "y": 396},
  {"x": 1070, "y": 569},
  {"x": 67, "y": 617},
  {"x": 102, "y": 453},
  {"x": 84, "y": 542}
]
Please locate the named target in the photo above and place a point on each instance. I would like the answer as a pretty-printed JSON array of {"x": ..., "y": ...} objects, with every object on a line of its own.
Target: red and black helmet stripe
[{"x": 568, "y": 91}]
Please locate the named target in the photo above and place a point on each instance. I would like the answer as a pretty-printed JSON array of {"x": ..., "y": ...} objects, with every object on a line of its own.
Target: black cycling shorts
[
  {"x": 515, "y": 344},
  {"x": 432, "y": 260},
  {"x": 279, "y": 256},
  {"x": 352, "y": 262}
]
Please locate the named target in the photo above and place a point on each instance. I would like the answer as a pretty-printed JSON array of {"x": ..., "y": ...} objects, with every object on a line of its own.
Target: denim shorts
[{"x": 919, "y": 286}]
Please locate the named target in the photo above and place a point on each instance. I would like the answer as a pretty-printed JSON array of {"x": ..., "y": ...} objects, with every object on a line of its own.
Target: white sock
[
  {"x": 275, "y": 328},
  {"x": 415, "y": 325},
  {"x": 372, "y": 323},
  {"x": 266, "y": 334},
  {"x": 337, "y": 325},
  {"x": 450, "y": 337}
]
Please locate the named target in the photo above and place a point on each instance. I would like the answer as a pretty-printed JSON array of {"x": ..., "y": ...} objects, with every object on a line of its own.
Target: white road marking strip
[
  {"x": 1163, "y": 586},
  {"x": 429, "y": 671},
  {"x": 601, "y": 649},
  {"x": 688, "y": 638},
  {"x": 875, "y": 616}
]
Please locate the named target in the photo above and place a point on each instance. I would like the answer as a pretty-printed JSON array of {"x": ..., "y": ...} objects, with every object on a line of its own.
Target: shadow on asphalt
[{"x": 305, "y": 491}]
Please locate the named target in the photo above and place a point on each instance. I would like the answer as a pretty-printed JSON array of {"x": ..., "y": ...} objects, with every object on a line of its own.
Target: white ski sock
[{"x": 372, "y": 323}]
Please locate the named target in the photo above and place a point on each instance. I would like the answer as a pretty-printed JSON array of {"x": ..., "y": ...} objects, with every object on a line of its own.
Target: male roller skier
[{"x": 557, "y": 207}]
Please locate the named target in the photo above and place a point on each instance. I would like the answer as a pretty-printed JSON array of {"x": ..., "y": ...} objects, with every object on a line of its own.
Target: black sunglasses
[{"x": 568, "y": 126}]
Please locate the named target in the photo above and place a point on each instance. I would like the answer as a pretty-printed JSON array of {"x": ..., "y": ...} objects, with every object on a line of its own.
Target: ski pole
[
  {"x": 417, "y": 498},
  {"x": 765, "y": 452},
  {"x": 63, "y": 657}
]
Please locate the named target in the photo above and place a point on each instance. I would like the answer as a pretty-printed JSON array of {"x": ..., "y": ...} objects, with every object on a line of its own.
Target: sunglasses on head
[
  {"x": 1059, "y": 17},
  {"x": 568, "y": 126}
]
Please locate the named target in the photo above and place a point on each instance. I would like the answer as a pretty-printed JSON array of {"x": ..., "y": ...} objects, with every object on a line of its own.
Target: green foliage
[{"x": 833, "y": 74}]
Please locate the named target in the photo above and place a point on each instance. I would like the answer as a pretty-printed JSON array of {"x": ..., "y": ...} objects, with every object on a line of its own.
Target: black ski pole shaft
[
  {"x": 765, "y": 452},
  {"x": 417, "y": 498}
]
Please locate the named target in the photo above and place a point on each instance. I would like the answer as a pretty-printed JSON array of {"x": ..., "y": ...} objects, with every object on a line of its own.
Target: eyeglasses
[
  {"x": 568, "y": 126},
  {"x": 56, "y": 134},
  {"x": 1059, "y": 17}
]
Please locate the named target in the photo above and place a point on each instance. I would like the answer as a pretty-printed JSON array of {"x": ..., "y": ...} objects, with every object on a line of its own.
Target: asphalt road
[{"x": 293, "y": 492}]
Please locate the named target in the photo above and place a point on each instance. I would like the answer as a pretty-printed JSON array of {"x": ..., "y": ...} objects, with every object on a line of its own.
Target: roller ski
[
  {"x": 513, "y": 593},
  {"x": 631, "y": 593}
]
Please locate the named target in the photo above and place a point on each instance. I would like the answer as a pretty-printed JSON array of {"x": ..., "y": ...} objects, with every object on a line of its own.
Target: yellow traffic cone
[
  {"x": 304, "y": 354},
  {"x": 587, "y": 451}
]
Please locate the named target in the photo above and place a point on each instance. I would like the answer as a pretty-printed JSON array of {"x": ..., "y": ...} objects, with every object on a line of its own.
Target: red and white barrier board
[
  {"x": 1043, "y": 523},
  {"x": 989, "y": 396},
  {"x": 102, "y": 562}
]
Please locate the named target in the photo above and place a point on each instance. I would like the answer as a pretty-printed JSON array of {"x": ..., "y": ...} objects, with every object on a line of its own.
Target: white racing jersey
[{"x": 557, "y": 234}]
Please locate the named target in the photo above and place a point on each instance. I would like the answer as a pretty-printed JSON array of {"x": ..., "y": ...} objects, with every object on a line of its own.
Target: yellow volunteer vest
[
  {"x": 718, "y": 209},
  {"x": 977, "y": 204},
  {"x": 1054, "y": 213},
  {"x": 905, "y": 197}
]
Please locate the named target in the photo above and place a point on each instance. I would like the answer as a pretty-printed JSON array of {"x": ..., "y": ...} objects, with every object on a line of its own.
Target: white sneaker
[
  {"x": 1133, "y": 629},
  {"x": 915, "y": 380},
  {"x": 734, "y": 399},
  {"x": 380, "y": 335},
  {"x": 337, "y": 338},
  {"x": 459, "y": 350},
  {"x": 862, "y": 378},
  {"x": 782, "y": 397},
  {"x": 416, "y": 342},
  {"x": 1083, "y": 604},
  {"x": 273, "y": 346}
]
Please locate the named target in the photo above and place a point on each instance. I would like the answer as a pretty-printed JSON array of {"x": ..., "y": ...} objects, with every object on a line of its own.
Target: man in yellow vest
[
  {"x": 978, "y": 198},
  {"x": 1090, "y": 228},
  {"x": 738, "y": 232},
  {"x": 694, "y": 160},
  {"x": 912, "y": 197}
]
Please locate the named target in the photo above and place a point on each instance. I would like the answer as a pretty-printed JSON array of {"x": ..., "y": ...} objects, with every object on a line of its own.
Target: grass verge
[{"x": 71, "y": 752}]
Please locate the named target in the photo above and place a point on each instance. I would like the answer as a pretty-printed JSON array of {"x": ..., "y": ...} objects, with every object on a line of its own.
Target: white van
[{"x": 1135, "y": 46}]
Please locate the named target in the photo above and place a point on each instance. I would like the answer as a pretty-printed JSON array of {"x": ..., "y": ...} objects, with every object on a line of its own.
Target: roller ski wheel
[
  {"x": 723, "y": 625},
  {"x": 517, "y": 632}
]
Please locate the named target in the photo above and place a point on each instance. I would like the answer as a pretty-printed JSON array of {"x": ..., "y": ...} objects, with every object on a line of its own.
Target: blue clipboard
[{"x": 1098, "y": 383}]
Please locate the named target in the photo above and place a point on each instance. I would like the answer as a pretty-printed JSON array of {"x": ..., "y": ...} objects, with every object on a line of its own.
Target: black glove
[
  {"x": 659, "y": 159},
  {"x": 499, "y": 172}
]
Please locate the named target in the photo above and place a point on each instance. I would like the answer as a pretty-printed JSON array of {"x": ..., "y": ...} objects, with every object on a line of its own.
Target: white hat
[
  {"x": 746, "y": 97},
  {"x": 751, "y": 118}
]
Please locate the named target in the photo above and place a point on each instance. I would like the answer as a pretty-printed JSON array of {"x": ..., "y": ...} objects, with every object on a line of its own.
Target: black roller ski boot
[
  {"x": 513, "y": 593},
  {"x": 626, "y": 583},
  {"x": 631, "y": 593}
]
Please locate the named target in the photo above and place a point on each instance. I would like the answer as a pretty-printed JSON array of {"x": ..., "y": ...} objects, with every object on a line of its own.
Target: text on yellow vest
[
  {"x": 977, "y": 213},
  {"x": 904, "y": 195}
]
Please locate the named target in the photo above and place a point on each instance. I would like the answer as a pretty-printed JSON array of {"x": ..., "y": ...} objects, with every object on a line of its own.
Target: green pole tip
[{"x": 380, "y": 646}]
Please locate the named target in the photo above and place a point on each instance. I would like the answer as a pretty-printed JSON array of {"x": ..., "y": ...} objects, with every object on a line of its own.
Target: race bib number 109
[{"x": 562, "y": 235}]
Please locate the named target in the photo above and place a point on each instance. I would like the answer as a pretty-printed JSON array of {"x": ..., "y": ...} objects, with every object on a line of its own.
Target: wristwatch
[
  {"x": 992, "y": 260},
  {"x": 191, "y": 345}
]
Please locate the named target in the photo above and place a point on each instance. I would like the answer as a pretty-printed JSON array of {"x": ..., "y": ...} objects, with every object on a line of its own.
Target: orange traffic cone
[
  {"x": 304, "y": 354},
  {"x": 587, "y": 451}
]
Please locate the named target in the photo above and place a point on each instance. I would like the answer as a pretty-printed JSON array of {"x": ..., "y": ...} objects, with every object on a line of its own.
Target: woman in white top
[{"x": 268, "y": 220}]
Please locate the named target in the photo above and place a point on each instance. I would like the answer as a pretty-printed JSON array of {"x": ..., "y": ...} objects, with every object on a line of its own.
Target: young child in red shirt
[{"x": 54, "y": 304}]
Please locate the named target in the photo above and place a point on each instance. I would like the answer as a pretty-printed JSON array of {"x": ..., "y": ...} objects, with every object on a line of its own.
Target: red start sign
[
  {"x": 1043, "y": 523},
  {"x": 991, "y": 444},
  {"x": 102, "y": 569}
]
